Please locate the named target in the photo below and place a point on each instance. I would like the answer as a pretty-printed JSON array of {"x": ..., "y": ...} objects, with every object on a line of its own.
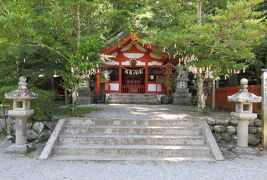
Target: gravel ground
[
  {"x": 17, "y": 167},
  {"x": 133, "y": 111},
  {"x": 30, "y": 168}
]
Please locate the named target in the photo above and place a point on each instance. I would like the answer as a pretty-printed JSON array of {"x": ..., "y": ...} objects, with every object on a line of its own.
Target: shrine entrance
[{"x": 133, "y": 81}]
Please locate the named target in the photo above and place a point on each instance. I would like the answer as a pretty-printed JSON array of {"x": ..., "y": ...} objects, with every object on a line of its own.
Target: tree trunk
[
  {"x": 213, "y": 98},
  {"x": 78, "y": 28},
  {"x": 201, "y": 98},
  {"x": 201, "y": 104},
  {"x": 199, "y": 11},
  {"x": 78, "y": 33},
  {"x": 66, "y": 97}
]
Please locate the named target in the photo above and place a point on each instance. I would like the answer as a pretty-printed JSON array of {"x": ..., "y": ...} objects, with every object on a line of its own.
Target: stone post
[
  {"x": 242, "y": 133},
  {"x": 21, "y": 112},
  {"x": 21, "y": 131},
  {"x": 264, "y": 107}
]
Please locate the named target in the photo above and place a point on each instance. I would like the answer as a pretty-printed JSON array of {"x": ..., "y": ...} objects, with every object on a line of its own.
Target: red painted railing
[
  {"x": 133, "y": 88},
  {"x": 222, "y": 93}
]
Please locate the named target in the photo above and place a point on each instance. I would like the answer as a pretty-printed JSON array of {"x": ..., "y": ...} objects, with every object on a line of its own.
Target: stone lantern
[
  {"x": 243, "y": 111},
  {"x": 21, "y": 112},
  {"x": 182, "y": 96}
]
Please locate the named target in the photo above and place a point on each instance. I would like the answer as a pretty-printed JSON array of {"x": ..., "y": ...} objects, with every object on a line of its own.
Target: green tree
[
  {"x": 70, "y": 32},
  {"x": 221, "y": 40}
]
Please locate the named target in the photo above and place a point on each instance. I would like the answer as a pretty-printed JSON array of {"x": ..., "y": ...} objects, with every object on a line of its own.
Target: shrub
[{"x": 43, "y": 105}]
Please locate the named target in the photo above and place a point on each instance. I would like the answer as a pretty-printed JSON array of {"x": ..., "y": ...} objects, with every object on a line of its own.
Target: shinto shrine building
[{"x": 134, "y": 68}]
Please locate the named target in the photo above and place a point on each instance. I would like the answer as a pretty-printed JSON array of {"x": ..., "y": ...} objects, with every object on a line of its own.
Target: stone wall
[
  {"x": 37, "y": 131},
  {"x": 224, "y": 130}
]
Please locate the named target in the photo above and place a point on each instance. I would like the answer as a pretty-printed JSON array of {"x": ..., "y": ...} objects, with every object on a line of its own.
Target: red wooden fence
[
  {"x": 222, "y": 93},
  {"x": 133, "y": 88}
]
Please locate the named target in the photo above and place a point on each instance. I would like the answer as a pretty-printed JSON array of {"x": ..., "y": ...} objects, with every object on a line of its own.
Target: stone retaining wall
[
  {"x": 224, "y": 130},
  {"x": 37, "y": 131}
]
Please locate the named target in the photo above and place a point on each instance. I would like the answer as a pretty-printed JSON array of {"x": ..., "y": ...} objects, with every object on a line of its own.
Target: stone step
[
  {"x": 126, "y": 158},
  {"x": 152, "y": 130},
  {"x": 132, "y": 99},
  {"x": 124, "y": 122},
  {"x": 137, "y": 97},
  {"x": 132, "y": 95},
  {"x": 133, "y": 150},
  {"x": 129, "y": 101},
  {"x": 131, "y": 139}
]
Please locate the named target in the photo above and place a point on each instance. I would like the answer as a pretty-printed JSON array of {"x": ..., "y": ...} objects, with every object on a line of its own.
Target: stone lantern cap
[
  {"x": 22, "y": 93},
  {"x": 243, "y": 96}
]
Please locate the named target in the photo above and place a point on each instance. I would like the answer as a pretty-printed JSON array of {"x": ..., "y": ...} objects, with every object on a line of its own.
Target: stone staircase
[
  {"x": 132, "y": 139},
  {"x": 117, "y": 98}
]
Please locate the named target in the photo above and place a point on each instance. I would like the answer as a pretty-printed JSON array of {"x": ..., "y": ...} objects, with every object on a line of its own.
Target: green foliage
[
  {"x": 221, "y": 42},
  {"x": 3, "y": 90},
  {"x": 44, "y": 37},
  {"x": 43, "y": 105},
  {"x": 78, "y": 112}
]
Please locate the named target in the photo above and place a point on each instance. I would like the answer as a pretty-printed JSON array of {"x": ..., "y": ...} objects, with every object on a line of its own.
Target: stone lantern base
[
  {"x": 19, "y": 149},
  {"x": 245, "y": 151},
  {"x": 182, "y": 97},
  {"x": 84, "y": 96}
]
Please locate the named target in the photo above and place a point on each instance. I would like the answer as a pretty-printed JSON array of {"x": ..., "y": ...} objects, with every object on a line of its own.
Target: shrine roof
[{"x": 122, "y": 39}]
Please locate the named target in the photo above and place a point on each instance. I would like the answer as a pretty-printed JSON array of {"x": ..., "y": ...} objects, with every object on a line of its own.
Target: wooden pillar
[
  {"x": 146, "y": 78},
  {"x": 120, "y": 78},
  {"x": 98, "y": 76},
  {"x": 167, "y": 84}
]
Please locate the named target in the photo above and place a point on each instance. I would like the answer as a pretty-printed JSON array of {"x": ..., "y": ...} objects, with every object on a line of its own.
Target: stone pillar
[
  {"x": 242, "y": 133},
  {"x": 21, "y": 131},
  {"x": 182, "y": 95},
  {"x": 264, "y": 107}
]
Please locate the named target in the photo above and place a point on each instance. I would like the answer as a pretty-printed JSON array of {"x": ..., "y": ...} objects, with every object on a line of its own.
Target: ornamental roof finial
[{"x": 243, "y": 85}]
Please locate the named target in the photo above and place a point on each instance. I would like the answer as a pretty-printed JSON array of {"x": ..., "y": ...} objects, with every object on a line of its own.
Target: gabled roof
[{"x": 123, "y": 39}]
